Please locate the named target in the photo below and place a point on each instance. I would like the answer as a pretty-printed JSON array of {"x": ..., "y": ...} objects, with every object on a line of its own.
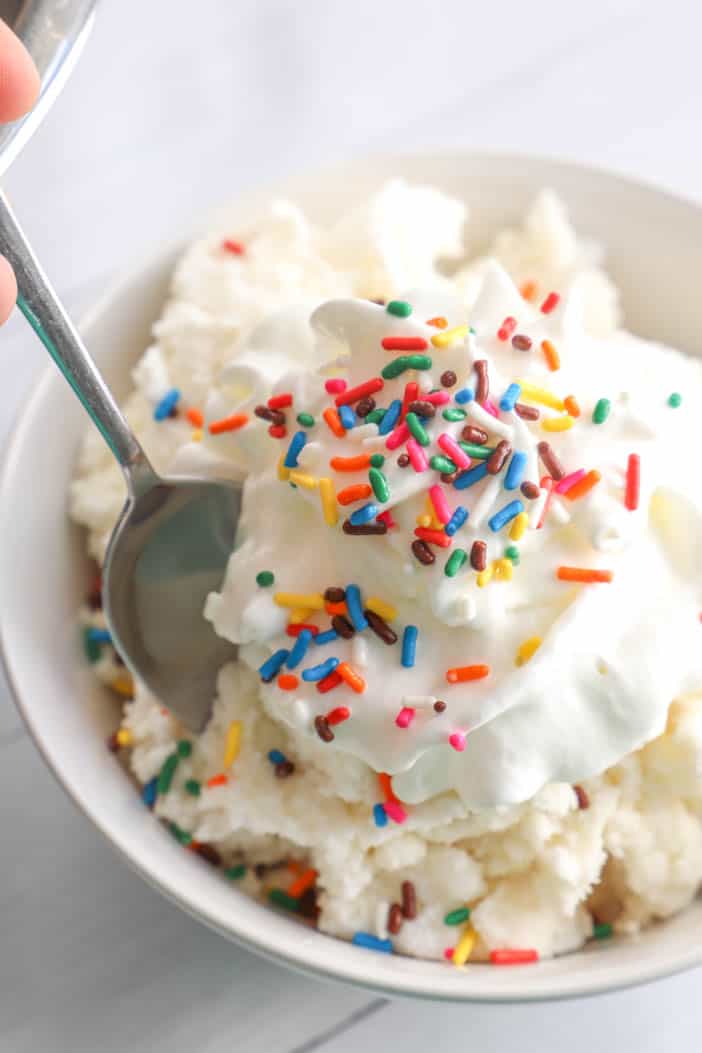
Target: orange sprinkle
[
  {"x": 334, "y": 424},
  {"x": 294, "y": 867},
  {"x": 553, "y": 359},
  {"x": 386, "y": 789},
  {"x": 571, "y": 404},
  {"x": 439, "y": 322},
  {"x": 528, "y": 290},
  {"x": 583, "y": 574},
  {"x": 306, "y": 880},
  {"x": 287, "y": 681},
  {"x": 233, "y": 423},
  {"x": 463, "y": 673},
  {"x": 218, "y": 780},
  {"x": 350, "y": 464},
  {"x": 354, "y": 493},
  {"x": 195, "y": 417},
  {"x": 584, "y": 485},
  {"x": 336, "y": 608},
  {"x": 356, "y": 682}
]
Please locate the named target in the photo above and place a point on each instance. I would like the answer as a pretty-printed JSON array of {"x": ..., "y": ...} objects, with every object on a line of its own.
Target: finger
[
  {"x": 19, "y": 80},
  {"x": 8, "y": 290}
]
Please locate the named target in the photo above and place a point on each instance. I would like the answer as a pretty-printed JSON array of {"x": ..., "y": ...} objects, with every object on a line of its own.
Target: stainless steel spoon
[{"x": 174, "y": 537}]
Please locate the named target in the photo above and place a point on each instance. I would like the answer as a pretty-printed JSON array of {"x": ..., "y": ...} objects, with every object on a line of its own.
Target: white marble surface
[{"x": 173, "y": 108}]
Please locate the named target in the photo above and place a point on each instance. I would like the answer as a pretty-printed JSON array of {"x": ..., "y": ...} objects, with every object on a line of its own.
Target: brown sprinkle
[
  {"x": 520, "y": 342},
  {"x": 482, "y": 389},
  {"x": 422, "y": 409},
  {"x": 550, "y": 462},
  {"x": 210, "y": 854},
  {"x": 472, "y": 434},
  {"x": 583, "y": 799},
  {"x": 271, "y": 415},
  {"x": 307, "y": 904},
  {"x": 526, "y": 412},
  {"x": 334, "y": 594},
  {"x": 448, "y": 378},
  {"x": 496, "y": 461},
  {"x": 343, "y": 626},
  {"x": 439, "y": 706},
  {"x": 403, "y": 460},
  {"x": 284, "y": 769},
  {"x": 449, "y": 477},
  {"x": 364, "y": 407},
  {"x": 323, "y": 730},
  {"x": 364, "y": 528},
  {"x": 112, "y": 743},
  {"x": 478, "y": 555},
  {"x": 530, "y": 490},
  {"x": 423, "y": 553},
  {"x": 394, "y": 922},
  {"x": 409, "y": 900},
  {"x": 380, "y": 627}
]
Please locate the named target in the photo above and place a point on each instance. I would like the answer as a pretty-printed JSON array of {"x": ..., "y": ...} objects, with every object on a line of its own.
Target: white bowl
[{"x": 653, "y": 244}]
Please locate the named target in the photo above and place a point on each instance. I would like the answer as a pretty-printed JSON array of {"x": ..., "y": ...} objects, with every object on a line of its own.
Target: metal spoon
[{"x": 174, "y": 536}]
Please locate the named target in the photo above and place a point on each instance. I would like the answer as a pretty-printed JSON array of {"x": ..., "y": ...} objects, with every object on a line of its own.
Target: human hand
[{"x": 19, "y": 88}]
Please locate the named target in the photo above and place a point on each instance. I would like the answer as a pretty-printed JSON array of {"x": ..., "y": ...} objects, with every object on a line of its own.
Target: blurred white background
[{"x": 174, "y": 108}]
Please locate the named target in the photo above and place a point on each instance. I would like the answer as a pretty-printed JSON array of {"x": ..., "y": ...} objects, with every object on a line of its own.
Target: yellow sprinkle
[
  {"x": 124, "y": 737},
  {"x": 298, "y": 615},
  {"x": 519, "y": 525},
  {"x": 449, "y": 336},
  {"x": 124, "y": 686},
  {"x": 464, "y": 948},
  {"x": 304, "y": 479},
  {"x": 557, "y": 423},
  {"x": 533, "y": 393},
  {"x": 327, "y": 495},
  {"x": 381, "y": 608},
  {"x": 503, "y": 569},
  {"x": 233, "y": 743},
  {"x": 196, "y": 435},
  {"x": 283, "y": 472},
  {"x": 313, "y": 600},
  {"x": 423, "y": 520},
  {"x": 527, "y": 650},
  {"x": 484, "y": 577}
]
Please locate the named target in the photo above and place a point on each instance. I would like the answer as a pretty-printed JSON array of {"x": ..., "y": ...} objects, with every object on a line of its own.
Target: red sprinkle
[
  {"x": 513, "y": 957},
  {"x": 507, "y": 328},
  {"x": 277, "y": 431},
  {"x": 369, "y": 387},
  {"x": 338, "y": 715},
  {"x": 218, "y": 780},
  {"x": 329, "y": 682},
  {"x": 280, "y": 401},
  {"x": 235, "y": 247},
  {"x": 550, "y": 303},
  {"x": 411, "y": 393},
  {"x": 404, "y": 343},
  {"x": 435, "y": 537},
  {"x": 335, "y": 385},
  {"x": 287, "y": 681},
  {"x": 633, "y": 479},
  {"x": 386, "y": 517},
  {"x": 295, "y": 630}
]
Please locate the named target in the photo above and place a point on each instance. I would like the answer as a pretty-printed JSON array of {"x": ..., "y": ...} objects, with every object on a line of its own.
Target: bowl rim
[{"x": 648, "y": 969}]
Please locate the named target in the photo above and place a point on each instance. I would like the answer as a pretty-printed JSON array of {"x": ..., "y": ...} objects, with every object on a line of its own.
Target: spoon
[{"x": 171, "y": 545}]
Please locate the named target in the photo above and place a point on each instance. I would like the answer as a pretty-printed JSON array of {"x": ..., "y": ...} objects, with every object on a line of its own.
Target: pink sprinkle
[
  {"x": 395, "y": 810},
  {"x": 490, "y": 406},
  {"x": 441, "y": 506},
  {"x": 458, "y": 741},
  {"x": 569, "y": 480},
  {"x": 448, "y": 954},
  {"x": 397, "y": 437},
  {"x": 451, "y": 448},
  {"x": 335, "y": 386},
  {"x": 405, "y": 717},
  {"x": 386, "y": 517},
  {"x": 437, "y": 398},
  {"x": 417, "y": 456}
]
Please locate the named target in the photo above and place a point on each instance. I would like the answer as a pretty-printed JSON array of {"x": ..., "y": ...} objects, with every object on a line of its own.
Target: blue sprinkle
[
  {"x": 328, "y": 637},
  {"x": 149, "y": 793},
  {"x": 300, "y": 646},
  {"x": 371, "y": 943},
  {"x": 391, "y": 417},
  {"x": 276, "y": 757},
  {"x": 473, "y": 475},
  {"x": 347, "y": 417},
  {"x": 409, "y": 645},
  {"x": 272, "y": 666},
  {"x": 464, "y": 395},
  {"x": 364, "y": 515},
  {"x": 380, "y": 816},
  {"x": 515, "y": 472},
  {"x": 456, "y": 521},
  {"x": 294, "y": 449},
  {"x": 505, "y": 515},
  {"x": 162, "y": 409},
  {"x": 318, "y": 672},
  {"x": 355, "y": 608},
  {"x": 509, "y": 398},
  {"x": 99, "y": 636}
]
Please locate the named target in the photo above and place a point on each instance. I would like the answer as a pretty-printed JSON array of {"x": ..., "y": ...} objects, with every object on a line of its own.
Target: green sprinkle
[
  {"x": 454, "y": 413},
  {"x": 235, "y": 873},
  {"x": 417, "y": 429},
  {"x": 440, "y": 463},
  {"x": 674, "y": 400},
  {"x": 165, "y": 776},
  {"x": 375, "y": 416},
  {"x": 402, "y": 363},
  {"x": 602, "y": 932},
  {"x": 377, "y": 460},
  {"x": 185, "y": 748},
  {"x": 400, "y": 308},
  {"x": 264, "y": 578},
  {"x": 282, "y": 899},
  {"x": 455, "y": 562},
  {"x": 601, "y": 411},
  {"x": 180, "y": 835},
  {"x": 192, "y": 787},
  {"x": 478, "y": 453},
  {"x": 457, "y": 917},
  {"x": 306, "y": 420},
  {"x": 91, "y": 647},
  {"x": 419, "y": 361},
  {"x": 512, "y": 552},
  {"x": 379, "y": 484}
]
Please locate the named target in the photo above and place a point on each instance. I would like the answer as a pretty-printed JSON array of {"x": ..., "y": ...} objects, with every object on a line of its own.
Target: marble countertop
[{"x": 173, "y": 109}]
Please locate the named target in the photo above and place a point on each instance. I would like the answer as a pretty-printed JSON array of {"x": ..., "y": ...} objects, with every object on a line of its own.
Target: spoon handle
[{"x": 41, "y": 307}]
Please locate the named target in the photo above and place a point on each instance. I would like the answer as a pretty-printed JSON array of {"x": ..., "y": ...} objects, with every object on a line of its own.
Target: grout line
[{"x": 317, "y": 1041}]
